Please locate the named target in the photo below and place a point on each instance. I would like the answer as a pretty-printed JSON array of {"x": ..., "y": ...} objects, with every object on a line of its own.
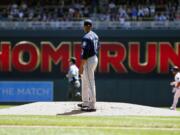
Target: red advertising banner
[{"x": 158, "y": 56}]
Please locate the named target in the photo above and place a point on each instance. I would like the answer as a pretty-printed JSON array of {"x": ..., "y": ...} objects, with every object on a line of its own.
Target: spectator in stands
[
  {"x": 134, "y": 13},
  {"x": 152, "y": 10},
  {"x": 122, "y": 14},
  {"x": 102, "y": 10},
  {"x": 112, "y": 10},
  {"x": 160, "y": 17},
  {"x": 140, "y": 13}
]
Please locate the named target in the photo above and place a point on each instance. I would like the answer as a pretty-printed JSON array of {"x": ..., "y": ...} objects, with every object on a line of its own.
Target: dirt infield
[{"x": 103, "y": 109}]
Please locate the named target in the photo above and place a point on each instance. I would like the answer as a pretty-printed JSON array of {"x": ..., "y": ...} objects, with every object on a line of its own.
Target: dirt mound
[{"x": 103, "y": 109}]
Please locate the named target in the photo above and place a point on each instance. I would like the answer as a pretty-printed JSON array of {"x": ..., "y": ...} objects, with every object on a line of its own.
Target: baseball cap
[
  {"x": 88, "y": 22},
  {"x": 175, "y": 69},
  {"x": 72, "y": 59}
]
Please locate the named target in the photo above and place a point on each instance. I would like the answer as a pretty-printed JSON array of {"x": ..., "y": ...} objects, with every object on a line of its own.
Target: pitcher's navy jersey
[{"x": 90, "y": 45}]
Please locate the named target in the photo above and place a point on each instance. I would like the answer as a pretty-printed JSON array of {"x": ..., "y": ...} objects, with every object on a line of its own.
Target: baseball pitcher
[{"x": 89, "y": 61}]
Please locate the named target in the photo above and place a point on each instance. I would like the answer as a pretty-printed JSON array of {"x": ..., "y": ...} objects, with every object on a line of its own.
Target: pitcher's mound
[{"x": 103, "y": 109}]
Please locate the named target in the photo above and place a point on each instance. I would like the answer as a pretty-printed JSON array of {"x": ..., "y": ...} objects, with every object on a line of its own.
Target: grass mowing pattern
[
  {"x": 75, "y": 125},
  {"x": 82, "y": 121},
  {"x": 84, "y": 131}
]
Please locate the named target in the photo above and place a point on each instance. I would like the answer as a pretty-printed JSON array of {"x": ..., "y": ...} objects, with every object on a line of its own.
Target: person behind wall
[
  {"x": 176, "y": 86},
  {"x": 74, "y": 82}
]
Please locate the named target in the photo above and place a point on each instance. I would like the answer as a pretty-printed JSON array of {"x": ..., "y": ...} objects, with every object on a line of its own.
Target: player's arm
[
  {"x": 84, "y": 55},
  {"x": 83, "y": 61},
  {"x": 177, "y": 85},
  {"x": 68, "y": 74},
  {"x": 173, "y": 83}
]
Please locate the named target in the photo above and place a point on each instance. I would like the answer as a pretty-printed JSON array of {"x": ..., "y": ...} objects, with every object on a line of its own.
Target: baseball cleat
[
  {"x": 81, "y": 105},
  {"x": 172, "y": 108},
  {"x": 87, "y": 109}
]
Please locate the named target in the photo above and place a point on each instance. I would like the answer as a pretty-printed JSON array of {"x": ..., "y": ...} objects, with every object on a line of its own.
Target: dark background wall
[{"x": 148, "y": 89}]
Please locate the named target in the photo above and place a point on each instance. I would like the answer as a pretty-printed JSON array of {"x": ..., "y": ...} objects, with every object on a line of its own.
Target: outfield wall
[{"x": 122, "y": 74}]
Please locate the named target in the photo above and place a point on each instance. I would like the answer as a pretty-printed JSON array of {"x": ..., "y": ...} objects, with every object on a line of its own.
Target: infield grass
[
  {"x": 76, "y": 125},
  {"x": 85, "y": 131},
  {"x": 6, "y": 106}
]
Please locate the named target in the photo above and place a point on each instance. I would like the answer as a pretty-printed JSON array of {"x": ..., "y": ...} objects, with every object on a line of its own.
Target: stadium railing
[{"x": 97, "y": 25}]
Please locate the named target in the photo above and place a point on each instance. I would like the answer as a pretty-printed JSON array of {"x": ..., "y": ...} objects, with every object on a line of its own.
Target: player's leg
[
  {"x": 92, "y": 64},
  {"x": 77, "y": 91},
  {"x": 175, "y": 100},
  {"x": 70, "y": 92},
  {"x": 85, "y": 93}
]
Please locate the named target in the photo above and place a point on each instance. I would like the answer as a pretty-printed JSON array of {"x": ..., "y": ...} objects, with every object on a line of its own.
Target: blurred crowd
[{"x": 100, "y": 10}]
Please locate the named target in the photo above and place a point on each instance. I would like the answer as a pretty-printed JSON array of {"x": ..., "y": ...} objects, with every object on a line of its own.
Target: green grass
[
  {"x": 130, "y": 125},
  {"x": 6, "y": 106},
  {"x": 76, "y": 125},
  {"x": 178, "y": 109},
  {"x": 75, "y": 121},
  {"x": 85, "y": 131}
]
